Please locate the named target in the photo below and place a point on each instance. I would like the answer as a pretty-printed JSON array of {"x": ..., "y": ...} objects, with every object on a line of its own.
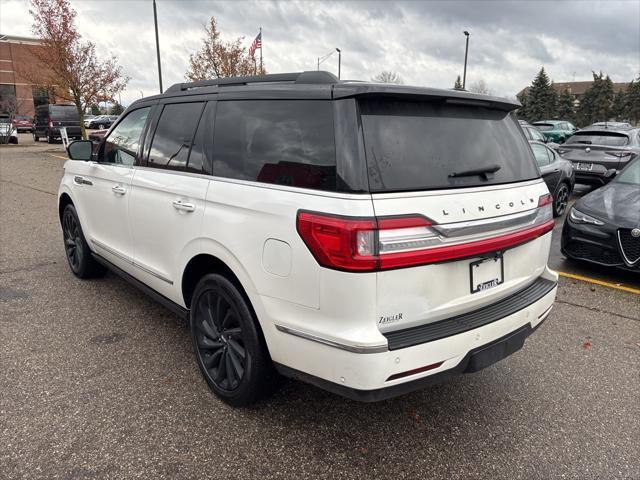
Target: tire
[
  {"x": 78, "y": 254},
  {"x": 50, "y": 139},
  {"x": 36, "y": 138},
  {"x": 561, "y": 199},
  {"x": 228, "y": 346}
]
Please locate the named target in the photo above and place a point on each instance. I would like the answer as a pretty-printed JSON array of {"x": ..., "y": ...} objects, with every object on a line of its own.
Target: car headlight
[{"x": 577, "y": 216}]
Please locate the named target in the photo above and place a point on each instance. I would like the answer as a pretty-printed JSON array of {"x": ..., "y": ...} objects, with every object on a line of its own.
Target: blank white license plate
[{"x": 486, "y": 273}]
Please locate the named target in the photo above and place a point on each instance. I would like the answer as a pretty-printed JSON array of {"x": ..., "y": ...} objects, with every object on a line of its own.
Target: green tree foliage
[
  {"x": 597, "y": 103},
  {"x": 619, "y": 107},
  {"x": 566, "y": 106},
  {"x": 633, "y": 101},
  {"x": 541, "y": 98},
  {"x": 116, "y": 109},
  {"x": 95, "y": 109},
  {"x": 458, "y": 84},
  {"x": 522, "y": 113}
]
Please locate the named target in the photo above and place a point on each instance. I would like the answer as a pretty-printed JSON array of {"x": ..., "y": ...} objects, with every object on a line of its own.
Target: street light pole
[
  {"x": 466, "y": 53},
  {"x": 155, "y": 21},
  {"x": 339, "y": 61}
]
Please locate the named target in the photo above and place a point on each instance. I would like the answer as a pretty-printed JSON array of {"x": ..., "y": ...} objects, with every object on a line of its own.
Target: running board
[{"x": 180, "y": 311}]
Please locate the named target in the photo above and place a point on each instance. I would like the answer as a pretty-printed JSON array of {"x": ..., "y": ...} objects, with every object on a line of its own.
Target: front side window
[
  {"x": 286, "y": 142},
  {"x": 121, "y": 146},
  {"x": 174, "y": 135}
]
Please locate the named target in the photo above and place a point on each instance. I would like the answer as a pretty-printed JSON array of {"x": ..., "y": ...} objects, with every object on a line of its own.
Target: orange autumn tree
[
  {"x": 71, "y": 64},
  {"x": 217, "y": 58}
]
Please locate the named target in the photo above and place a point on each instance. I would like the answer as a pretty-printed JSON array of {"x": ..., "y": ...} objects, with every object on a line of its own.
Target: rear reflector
[
  {"x": 414, "y": 371},
  {"x": 368, "y": 244}
]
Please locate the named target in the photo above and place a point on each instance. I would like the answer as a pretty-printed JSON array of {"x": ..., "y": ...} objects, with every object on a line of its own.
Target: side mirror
[
  {"x": 612, "y": 172},
  {"x": 80, "y": 150}
]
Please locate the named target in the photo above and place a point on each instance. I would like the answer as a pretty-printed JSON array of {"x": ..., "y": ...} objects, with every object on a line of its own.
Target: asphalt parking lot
[{"x": 98, "y": 381}]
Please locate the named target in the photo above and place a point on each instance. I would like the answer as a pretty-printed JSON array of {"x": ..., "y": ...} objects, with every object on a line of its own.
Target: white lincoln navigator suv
[{"x": 368, "y": 239}]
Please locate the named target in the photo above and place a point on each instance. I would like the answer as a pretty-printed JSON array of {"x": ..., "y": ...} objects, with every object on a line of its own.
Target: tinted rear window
[
  {"x": 63, "y": 112},
  {"x": 284, "y": 142},
  {"x": 610, "y": 139},
  {"x": 418, "y": 145}
]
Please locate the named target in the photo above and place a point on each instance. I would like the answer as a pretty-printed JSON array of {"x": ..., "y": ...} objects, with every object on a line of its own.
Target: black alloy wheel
[
  {"x": 78, "y": 254},
  {"x": 228, "y": 345},
  {"x": 72, "y": 241},
  {"x": 561, "y": 199}
]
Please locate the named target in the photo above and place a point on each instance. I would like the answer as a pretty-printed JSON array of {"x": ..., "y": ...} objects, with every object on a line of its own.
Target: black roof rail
[{"x": 309, "y": 77}]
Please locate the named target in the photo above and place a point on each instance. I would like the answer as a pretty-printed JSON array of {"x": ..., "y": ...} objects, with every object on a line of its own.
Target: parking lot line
[
  {"x": 59, "y": 156},
  {"x": 600, "y": 282}
]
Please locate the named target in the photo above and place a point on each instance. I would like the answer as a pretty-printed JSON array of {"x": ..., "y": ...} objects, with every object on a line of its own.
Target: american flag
[{"x": 257, "y": 43}]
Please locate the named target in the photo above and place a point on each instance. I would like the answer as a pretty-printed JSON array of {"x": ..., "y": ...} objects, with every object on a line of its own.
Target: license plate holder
[
  {"x": 586, "y": 167},
  {"x": 486, "y": 273}
]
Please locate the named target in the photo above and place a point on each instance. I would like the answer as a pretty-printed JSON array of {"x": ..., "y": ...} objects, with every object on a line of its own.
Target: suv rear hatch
[
  {"x": 65, "y": 116},
  {"x": 462, "y": 213}
]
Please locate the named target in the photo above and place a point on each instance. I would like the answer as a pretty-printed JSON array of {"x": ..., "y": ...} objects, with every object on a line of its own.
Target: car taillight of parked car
[
  {"x": 368, "y": 244},
  {"x": 50, "y": 124}
]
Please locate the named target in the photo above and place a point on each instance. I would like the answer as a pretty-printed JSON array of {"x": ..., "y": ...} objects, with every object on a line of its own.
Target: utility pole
[
  {"x": 466, "y": 52},
  {"x": 339, "y": 61},
  {"x": 155, "y": 21}
]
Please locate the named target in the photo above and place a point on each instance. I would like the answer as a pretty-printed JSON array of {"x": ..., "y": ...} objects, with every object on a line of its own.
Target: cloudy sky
[{"x": 421, "y": 40}]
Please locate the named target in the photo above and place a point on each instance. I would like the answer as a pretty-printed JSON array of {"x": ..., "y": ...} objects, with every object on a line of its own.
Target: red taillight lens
[
  {"x": 546, "y": 199},
  {"x": 340, "y": 242},
  {"x": 368, "y": 244}
]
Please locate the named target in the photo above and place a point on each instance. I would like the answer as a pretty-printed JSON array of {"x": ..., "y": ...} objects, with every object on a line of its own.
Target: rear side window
[
  {"x": 428, "y": 145},
  {"x": 174, "y": 135},
  {"x": 281, "y": 141},
  {"x": 543, "y": 156},
  {"x": 63, "y": 112}
]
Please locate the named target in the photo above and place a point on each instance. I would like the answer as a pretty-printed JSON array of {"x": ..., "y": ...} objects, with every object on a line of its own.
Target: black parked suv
[{"x": 50, "y": 118}]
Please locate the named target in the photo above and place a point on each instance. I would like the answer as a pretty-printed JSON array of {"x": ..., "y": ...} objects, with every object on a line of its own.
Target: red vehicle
[{"x": 22, "y": 123}]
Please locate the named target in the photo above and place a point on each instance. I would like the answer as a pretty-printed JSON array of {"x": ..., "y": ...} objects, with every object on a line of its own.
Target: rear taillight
[
  {"x": 50, "y": 124},
  {"x": 368, "y": 244},
  {"x": 619, "y": 153}
]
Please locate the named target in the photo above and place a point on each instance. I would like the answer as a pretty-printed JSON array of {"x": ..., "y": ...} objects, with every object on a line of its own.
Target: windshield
[
  {"x": 545, "y": 127},
  {"x": 631, "y": 174},
  {"x": 414, "y": 145},
  {"x": 609, "y": 139}
]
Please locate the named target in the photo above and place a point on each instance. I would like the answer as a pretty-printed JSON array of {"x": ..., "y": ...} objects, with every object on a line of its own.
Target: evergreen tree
[
  {"x": 522, "y": 111},
  {"x": 116, "y": 109},
  {"x": 619, "y": 107},
  {"x": 633, "y": 101},
  {"x": 458, "y": 84},
  {"x": 597, "y": 102},
  {"x": 541, "y": 98},
  {"x": 566, "y": 106},
  {"x": 95, "y": 109}
]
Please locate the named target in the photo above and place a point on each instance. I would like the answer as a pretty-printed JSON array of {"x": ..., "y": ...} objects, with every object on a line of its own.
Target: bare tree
[
  {"x": 480, "y": 87},
  {"x": 387, "y": 76},
  {"x": 68, "y": 64},
  {"x": 218, "y": 58}
]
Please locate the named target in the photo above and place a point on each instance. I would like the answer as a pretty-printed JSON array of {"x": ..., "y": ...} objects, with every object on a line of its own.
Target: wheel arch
[{"x": 63, "y": 201}]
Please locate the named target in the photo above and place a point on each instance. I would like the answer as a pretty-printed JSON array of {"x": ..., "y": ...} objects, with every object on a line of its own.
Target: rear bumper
[{"x": 377, "y": 375}]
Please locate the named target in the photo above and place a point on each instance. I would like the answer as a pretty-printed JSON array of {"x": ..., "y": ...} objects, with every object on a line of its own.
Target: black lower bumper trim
[
  {"x": 474, "y": 361},
  {"x": 468, "y": 321}
]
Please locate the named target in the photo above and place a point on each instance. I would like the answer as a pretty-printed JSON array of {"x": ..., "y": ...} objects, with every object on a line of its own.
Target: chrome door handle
[
  {"x": 118, "y": 189},
  {"x": 185, "y": 207}
]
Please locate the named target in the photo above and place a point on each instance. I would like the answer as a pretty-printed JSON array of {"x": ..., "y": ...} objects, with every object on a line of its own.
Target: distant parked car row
[{"x": 100, "y": 122}]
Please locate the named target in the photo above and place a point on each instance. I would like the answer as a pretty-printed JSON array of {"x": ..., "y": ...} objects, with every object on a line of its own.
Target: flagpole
[{"x": 261, "y": 42}]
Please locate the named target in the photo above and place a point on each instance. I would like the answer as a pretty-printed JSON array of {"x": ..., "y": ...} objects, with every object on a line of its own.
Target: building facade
[{"x": 17, "y": 94}]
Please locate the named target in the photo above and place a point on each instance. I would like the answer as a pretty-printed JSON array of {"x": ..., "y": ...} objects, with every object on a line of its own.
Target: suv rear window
[
  {"x": 276, "y": 141},
  {"x": 609, "y": 139},
  {"x": 63, "y": 112},
  {"x": 414, "y": 145}
]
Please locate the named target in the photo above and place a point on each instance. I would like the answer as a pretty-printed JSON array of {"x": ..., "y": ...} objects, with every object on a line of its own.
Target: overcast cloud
[{"x": 422, "y": 41}]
